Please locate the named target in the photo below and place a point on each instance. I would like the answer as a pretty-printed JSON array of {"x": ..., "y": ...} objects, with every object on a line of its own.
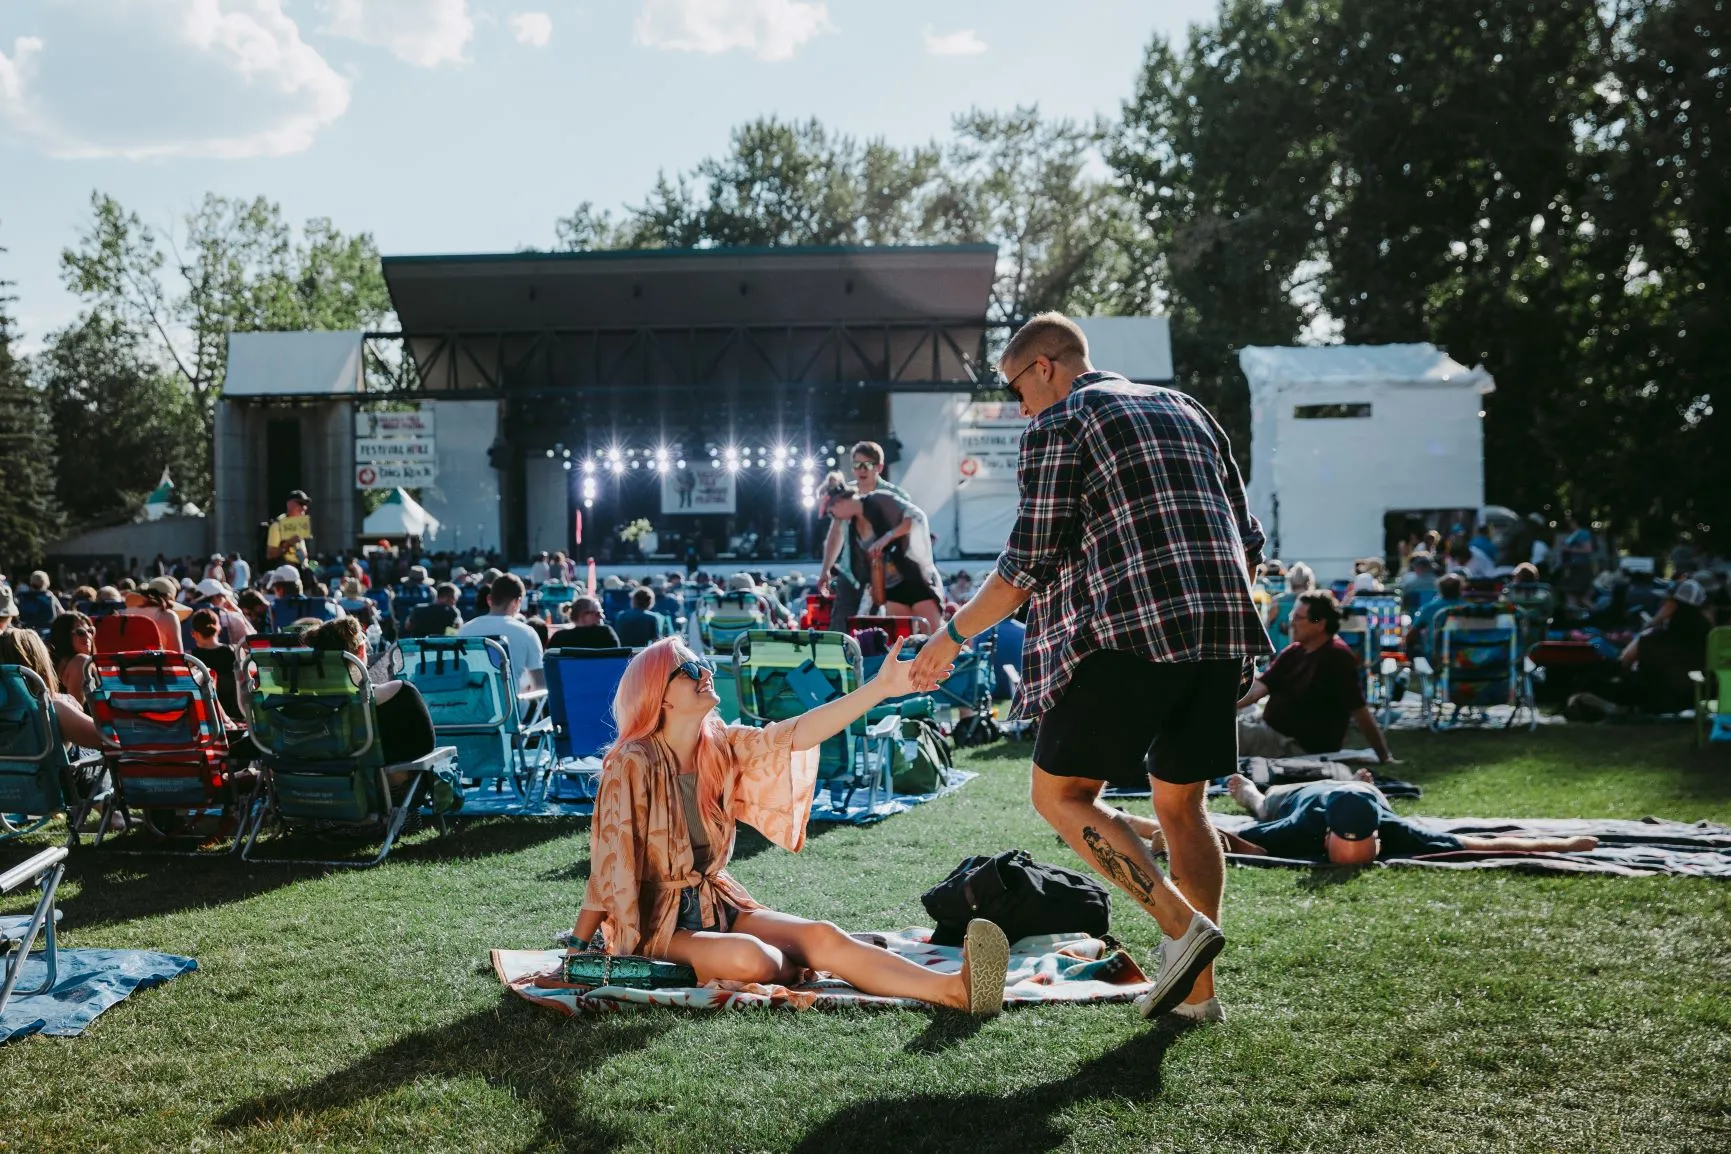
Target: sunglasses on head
[{"x": 692, "y": 667}]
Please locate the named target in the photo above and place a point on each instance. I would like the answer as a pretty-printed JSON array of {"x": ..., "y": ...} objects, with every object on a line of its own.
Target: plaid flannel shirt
[{"x": 1132, "y": 534}]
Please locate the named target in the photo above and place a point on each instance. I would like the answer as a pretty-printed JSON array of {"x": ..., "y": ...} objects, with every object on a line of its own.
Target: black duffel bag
[{"x": 1023, "y": 896}]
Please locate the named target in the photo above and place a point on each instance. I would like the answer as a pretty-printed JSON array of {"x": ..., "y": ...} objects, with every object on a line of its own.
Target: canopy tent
[
  {"x": 1343, "y": 435},
  {"x": 400, "y": 516}
]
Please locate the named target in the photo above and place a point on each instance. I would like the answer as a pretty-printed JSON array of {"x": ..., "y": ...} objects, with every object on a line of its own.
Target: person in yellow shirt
[{"x": 286, "y": 542}]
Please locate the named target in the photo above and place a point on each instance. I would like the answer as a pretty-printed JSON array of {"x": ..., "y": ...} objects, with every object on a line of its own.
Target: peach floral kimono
[{"x": 640, "y": 855}]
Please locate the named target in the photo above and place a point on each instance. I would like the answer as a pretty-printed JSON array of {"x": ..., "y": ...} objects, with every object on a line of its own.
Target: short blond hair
[{"x": 1051, "y": 335}]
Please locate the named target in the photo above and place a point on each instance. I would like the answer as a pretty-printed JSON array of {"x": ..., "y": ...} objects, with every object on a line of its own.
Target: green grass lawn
[{"x": 1383, "y": 1010}]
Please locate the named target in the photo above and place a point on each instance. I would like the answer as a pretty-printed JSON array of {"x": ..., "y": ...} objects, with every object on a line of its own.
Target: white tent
[
  {"x": 400, "y": 516},
  {"x": 1341, "y": 435}
]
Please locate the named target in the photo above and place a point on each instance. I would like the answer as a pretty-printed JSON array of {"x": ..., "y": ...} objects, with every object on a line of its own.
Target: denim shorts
[{"x": 691, "y": 914}]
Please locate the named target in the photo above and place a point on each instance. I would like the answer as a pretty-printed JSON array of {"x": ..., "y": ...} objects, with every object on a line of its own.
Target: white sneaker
[
  {"x": 1178, "y": 964},
  {"x": 1209, "y": 1010}
]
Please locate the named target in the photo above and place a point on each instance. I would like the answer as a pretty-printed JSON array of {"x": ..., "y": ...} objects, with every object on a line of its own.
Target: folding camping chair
[
  {"x": 969, "y": 690},
  {"x": 1476, "y": 662},
  {"x": 285, "y": 611},
  {"x": 404, "y": 601},
  {"x": 500, "y": 735},
  {"x": 168, "y": 748},
  {"x": 1371, "y": 627},
  {"x": 1713, "y": 690},
  {"x": 555, "y": 596},
  {"x": 724, "y": 618},
  {"x": 782, "y": 673},
  {"x": 38, "y": 781},
  {"x": 312, "y": 716},
  {"x": 18, "y": 934},
  {"x": 1537, "y": 604},
  {"x": 580, "y": 688}
]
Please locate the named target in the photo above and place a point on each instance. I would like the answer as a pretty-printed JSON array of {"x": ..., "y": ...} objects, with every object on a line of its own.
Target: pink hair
[{"x": 637, "y": 713}]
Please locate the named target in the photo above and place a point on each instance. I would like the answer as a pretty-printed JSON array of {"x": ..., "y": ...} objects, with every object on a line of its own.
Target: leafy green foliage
[{"x": 29, "y": 514}]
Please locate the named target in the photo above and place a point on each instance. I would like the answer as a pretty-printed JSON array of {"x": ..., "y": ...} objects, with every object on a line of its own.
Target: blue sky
[{"x": 470, "y": 125}]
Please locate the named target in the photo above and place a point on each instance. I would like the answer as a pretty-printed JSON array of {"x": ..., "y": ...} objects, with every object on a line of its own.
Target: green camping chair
[
  {"x": 38, "y": 782},
  {"x": 783, "y": 673},
  {"x": 1713, "y": 690},
  {"x": 312, "y": 716}
]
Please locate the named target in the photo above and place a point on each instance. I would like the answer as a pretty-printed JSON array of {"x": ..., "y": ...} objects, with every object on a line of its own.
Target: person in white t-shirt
[{"x": 504, "y": 599}]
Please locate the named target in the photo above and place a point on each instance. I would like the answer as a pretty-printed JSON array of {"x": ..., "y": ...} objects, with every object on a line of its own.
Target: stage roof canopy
[{"x": 673, "y": 288}]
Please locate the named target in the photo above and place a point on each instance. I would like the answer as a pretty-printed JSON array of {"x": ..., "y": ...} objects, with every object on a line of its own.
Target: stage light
[
  {"x": 715, "y": 464},
  {"x": 588, "y": 466},
  {"x": 733, "y": 466},
  {"x": 661, "y": 454},
  {"x": 617, "y": 466},
  {"x": 779, "y": 465},
  {"x": 567, "y": 466},
  {"x": 807, "y": 501},
  {"x": 679, "y": 464},
  {"x": 830, "y": 461},
  {"x": 588, "y": 504},
  {"x": 841, "y": 448},
  {"x": 549, "y": 454},
  {"x": 808, "y": 464},
  {"x": 731, "y": 454},
  {"x": 745, "y": 464},
  {"x": 567, "y": 454},
  {"x": 634, "y": 464},
  {"x": 761, "y": 450},
  {"x": 661, "y": 466}
]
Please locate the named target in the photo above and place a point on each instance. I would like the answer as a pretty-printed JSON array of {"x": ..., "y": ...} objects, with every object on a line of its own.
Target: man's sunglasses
[
  {"x": 693, "y": 668},
  {"x": 1008, "y": 384}
]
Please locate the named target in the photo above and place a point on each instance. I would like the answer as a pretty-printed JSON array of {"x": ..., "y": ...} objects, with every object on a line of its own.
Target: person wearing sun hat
[
  {"x": 8, "y": 607},
  {"x": 159, "y": 601},
  {"x": 217, "y": 597}
]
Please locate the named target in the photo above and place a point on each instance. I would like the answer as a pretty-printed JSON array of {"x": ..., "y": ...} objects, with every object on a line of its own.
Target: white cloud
[
  {"x": 532, "y": 28},
  {"x": 961, "y": 42},
  {"x": 150, "y": 78},
  {"x": 425, "y": 33},
  {"x": 770, "y": 29}
]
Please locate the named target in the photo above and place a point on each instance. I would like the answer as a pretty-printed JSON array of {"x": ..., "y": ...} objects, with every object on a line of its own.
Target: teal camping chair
[
  {"x": 18, "y": 933},
  {"x": 1476, "y": 662},
  {"x": 501, "y": 736},
  {"x": 726, "y": 617},
  {"x": 38, "y": 781},
  {"x": 312, "y": 716},
  {"x": 1713, "y": 690},
  {"x": 783, "y": 673}
]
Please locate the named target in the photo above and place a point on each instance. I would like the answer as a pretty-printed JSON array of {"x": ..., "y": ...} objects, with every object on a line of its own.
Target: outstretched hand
[{"x": 898, "y": 678}]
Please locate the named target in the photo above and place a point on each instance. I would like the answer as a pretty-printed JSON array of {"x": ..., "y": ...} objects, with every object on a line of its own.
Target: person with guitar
[{"x": 889, "y": 550}]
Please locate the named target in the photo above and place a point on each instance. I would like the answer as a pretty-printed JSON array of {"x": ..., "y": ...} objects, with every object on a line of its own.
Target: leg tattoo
[{"x": 1130, "y": 876}]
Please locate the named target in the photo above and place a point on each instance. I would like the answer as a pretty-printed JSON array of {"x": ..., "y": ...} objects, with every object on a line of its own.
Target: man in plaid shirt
[{"x": 1135, "y": 546}]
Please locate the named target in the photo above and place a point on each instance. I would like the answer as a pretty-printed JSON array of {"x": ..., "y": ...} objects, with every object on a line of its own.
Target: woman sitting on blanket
[{"x": 671, "y": 789}]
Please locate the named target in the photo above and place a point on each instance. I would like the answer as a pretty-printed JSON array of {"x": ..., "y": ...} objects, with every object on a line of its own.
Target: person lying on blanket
[
  {"x": 1349, "y": 823},
  {"x": 672, "y": 788}
]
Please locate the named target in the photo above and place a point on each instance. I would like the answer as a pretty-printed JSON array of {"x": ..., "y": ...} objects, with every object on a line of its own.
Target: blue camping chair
[
  {"x": 312, "y": 717},
  {"x": 285, "y": 611},
  {"x": 406, "y": 599},
  {"x": 555, "y": 595},
  {"x": 37, "y": 780},
  {"x": 783, "y": 673},
  {"x": 36, "y": 609},
  {"x": 580, "y": 688},
  {"x": 18, "y": 934},
  {"x": 1476, "y": 662},
  {"x": 1370, "y": 627},
  {"x": 469, "y": 602},
  {"x": 500, "y": 734}
]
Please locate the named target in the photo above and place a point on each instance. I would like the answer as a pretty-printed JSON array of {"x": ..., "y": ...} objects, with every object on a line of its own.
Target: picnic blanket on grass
[
  {"x": 1642, "y": 848},
  {"x": 89, "y": 982},
  {"x": 1047, "y": 968},
  {"x": 825, "y": 807}
]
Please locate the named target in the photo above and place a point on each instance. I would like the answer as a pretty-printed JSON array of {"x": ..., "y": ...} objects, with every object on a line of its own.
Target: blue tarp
[{"x": 90, "y": 981}]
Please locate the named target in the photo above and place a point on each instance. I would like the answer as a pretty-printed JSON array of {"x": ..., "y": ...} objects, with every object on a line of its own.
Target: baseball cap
[
  {"x": 1351, "y": 814},
  {"x": 8, "y": 607},
  {"x": 1690, "y": 592},
  {"x": 211, "y": 587},
  {"x": 285, "y": 574},
  {"x": 1364, "y": 583},
  {"x": 299, "y": 495},
  {"x": 740, "y": 583}
]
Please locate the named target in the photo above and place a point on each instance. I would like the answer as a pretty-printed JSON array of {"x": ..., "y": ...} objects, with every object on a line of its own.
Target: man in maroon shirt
[{"x": 1312, "y": 688}]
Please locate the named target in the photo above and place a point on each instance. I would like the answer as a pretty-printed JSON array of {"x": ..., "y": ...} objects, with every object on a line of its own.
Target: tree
[
  {"x": 241, "y": 270},
  {"x": 29, "y": 514},
  {"x": 119, "y": 414}
]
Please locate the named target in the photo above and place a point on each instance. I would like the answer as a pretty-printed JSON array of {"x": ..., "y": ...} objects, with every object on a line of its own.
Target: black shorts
[
  {"x": 911, "y": 592},
  {"x": 1123, "y": 717}
]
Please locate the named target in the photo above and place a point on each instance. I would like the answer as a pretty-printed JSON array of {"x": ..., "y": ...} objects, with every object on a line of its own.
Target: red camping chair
[
  {"x": 129, "y": 632},
  {"x": 893, "y": 627},
  {"x": 170, "y": 755}
]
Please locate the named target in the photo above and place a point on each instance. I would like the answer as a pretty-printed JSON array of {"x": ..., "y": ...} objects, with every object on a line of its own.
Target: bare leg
[
  {"x": 1198, "y": 865},
  {"x": 732, "y": 957},
  {"x": 1535, "y": 844},
  {"x": 871, "y": 969},
  {"x": 1099, "y": 834}
]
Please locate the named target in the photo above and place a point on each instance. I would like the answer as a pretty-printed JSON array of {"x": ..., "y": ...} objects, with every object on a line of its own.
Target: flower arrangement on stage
[{"x": 636, "y": 530}]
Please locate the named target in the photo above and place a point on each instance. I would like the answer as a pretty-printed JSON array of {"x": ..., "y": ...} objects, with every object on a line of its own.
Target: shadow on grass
[
  {"x": 538, "y": 1057},
  {"x": 116, "y": 887},
  {"x": 1020, "y": 1122}
]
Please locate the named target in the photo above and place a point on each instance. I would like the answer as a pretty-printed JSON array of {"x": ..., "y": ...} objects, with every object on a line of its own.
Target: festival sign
[
  {"x": 697, "y": 490},
  {"x": 990, "y": 438},
  {"x": 412, "y": 423},
  {"x": 395, "y": 474}
]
